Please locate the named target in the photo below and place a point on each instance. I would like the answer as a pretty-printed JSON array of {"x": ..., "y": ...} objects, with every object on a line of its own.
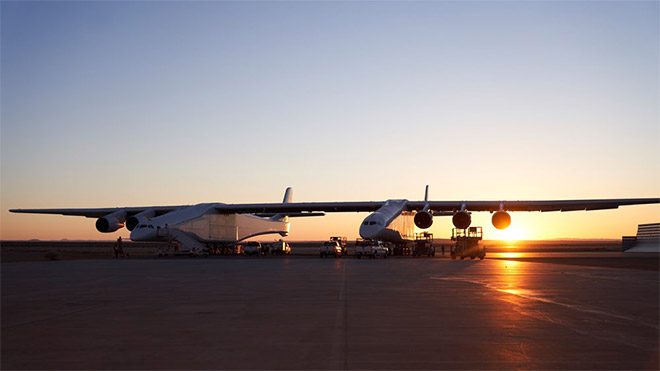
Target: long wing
[
  {"x": 437, "y": 206},
  {"x": 302, "y": 208},
  {"x": 98, "y": 212}
]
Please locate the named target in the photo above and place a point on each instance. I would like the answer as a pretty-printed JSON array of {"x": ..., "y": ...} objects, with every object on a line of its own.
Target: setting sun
[{"x": 511, "y": 234}]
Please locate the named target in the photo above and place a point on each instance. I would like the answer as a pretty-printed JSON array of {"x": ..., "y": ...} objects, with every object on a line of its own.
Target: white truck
[
  {"x": 280, "y": 248},
  {"x": 331, "y": 248},
  {"x": 252, "y": 248},
  {"x": 371, "y": 249}
]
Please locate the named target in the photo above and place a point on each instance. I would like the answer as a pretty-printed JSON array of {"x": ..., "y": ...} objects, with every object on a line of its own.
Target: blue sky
[{"x": 125, "y": 103}]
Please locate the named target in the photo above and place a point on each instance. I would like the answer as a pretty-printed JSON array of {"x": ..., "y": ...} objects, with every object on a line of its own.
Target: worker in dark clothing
[
  {"x": 119, "y": 249},
  {"x": 443, "y": 250}
]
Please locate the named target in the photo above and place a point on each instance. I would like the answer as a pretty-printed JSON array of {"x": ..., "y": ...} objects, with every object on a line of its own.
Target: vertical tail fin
[
  {"x": 288, "y": 198},
  {"x": 288, "y": 195}
]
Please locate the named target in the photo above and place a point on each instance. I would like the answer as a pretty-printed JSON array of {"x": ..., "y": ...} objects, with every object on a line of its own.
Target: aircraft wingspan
[
  {"x": 436, "y": 206},
  {"x": 97, "y": 212},
  {"x": 308, "y": 208}
]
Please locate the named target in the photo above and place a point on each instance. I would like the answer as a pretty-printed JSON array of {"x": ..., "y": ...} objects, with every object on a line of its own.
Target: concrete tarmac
[{"x": 311, "y": 313}]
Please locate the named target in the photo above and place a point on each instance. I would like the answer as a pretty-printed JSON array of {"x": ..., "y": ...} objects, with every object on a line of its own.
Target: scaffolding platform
[{"x": 466, "y": 243}]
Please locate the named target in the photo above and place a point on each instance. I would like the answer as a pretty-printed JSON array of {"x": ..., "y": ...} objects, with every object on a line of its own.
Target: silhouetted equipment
[
  {"x": 647, "y": 234},
  {"x": 342, "y": 241},
  {"x": 424, "y": 244},
  {"x": 467, "y": 243},
  {"x": 370, "y": 249}
]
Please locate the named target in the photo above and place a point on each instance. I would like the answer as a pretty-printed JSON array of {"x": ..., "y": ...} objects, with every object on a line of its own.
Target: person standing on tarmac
[{"x": 119, "y": 249}]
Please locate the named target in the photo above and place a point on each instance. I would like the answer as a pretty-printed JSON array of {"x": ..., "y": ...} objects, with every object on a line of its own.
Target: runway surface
[{"x": 310, "y": 313}]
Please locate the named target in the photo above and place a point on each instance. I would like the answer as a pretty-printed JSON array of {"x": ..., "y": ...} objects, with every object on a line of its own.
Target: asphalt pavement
[{"x": 311, "y": 313}]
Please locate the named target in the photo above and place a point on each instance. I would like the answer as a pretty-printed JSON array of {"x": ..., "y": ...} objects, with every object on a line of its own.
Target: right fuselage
[{"x": 391, "y": 223}]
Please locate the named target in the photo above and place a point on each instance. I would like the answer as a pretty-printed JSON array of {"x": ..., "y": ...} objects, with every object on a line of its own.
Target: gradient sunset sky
[{"x": 157, "y": 103}]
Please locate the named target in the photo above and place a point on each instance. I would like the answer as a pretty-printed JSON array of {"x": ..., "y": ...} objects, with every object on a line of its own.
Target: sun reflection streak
[
  {"x": 511, "y": 255},
  {"x": 510, "y": 275}
]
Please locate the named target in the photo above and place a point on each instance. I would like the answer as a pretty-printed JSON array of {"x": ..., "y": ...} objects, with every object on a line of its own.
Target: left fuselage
[{"x": 205, "y": 224}]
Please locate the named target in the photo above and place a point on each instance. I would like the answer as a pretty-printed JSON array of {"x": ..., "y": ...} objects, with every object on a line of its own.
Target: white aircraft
[{"x": 201, "y": 225}]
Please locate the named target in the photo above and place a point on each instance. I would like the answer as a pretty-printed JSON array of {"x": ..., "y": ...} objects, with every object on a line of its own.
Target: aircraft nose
[
  {"x": 365, "y": 232},
  {"x": 371, "y": 227}
]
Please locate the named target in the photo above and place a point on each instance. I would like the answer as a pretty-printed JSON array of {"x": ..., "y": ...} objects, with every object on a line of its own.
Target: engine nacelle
[
  {"x": 461, "y": 219},
  {"x": 108, "y": 224},
  {"x": 501, "y": 220},
  {"x": 111, "y": 222},
  {"x": 133, "y": 222},
  {"x": 423, "y": 219},
  {"x": 139, "y": 218}
]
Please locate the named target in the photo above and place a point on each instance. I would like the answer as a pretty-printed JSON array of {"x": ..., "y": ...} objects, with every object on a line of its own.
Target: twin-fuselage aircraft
[{"x": 202, "y": 225}]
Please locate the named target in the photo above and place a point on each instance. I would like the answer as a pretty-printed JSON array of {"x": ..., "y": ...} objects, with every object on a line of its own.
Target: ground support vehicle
[
  {"x": 252, "y": 248},
  {"x": 331, "y": 248},
  {"x": 466, "y": 243},
  {"x": 423, "y": 245},
  {"x": 280, "y": 248},
  {"x": 402, "y": 249},
  {"x": 342, "y": 241},
  {"x": 370, "y": 248},
  {"x": 175, "y": 248}
]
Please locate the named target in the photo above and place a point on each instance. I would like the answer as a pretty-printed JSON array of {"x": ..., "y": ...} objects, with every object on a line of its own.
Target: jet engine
[
  {"x": 501, "y": 220},
  {"x": 461, "y": 219},
  {"x": 136, "y": 219},
  {"x": 423, "y": 219},
  {"x": 111, "y": 222},
  {"x": 108, "y": 224}
]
